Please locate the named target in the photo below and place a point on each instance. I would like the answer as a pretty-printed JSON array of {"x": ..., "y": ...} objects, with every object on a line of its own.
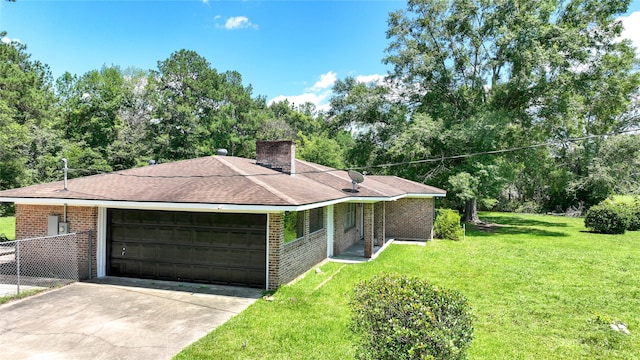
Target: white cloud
[
  {"x": 239, "y": 22},
  {"x": 319, "y": 100},
  {"x": 320, "y": 93},
  {"x": 373, "y": 78},
  {"x": 632, "y": 29},
  {"x": 326, "y": 81},
  {"x": 8, "y": 40}
]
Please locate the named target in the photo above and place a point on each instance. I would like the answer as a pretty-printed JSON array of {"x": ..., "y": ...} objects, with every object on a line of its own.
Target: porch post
[
  {"x": 379, "y": 226},
  {"x": 275, "y": 240},
  {"x": 368, "y": 230}
]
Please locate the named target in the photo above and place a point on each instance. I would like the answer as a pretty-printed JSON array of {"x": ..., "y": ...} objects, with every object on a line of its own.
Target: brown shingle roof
[{"x": 222, "y": 180}]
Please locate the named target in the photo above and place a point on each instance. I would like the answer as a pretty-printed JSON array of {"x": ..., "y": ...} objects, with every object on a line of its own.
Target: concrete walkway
[{"x": 116, "y": 319}]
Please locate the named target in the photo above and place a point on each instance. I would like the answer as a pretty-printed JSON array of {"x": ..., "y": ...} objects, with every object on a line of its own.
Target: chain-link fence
[{"x": 45, "y": 261}]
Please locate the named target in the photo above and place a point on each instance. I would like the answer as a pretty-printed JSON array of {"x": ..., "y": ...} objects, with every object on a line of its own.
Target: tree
[
  {"x": 106, "y": 113},
  {"x": 320, "y": 150},
  {"x": 499, "y": 74},
  {"x": 197, "y": 109},
  {"x": 618, "y": 164},
  {"x": 27, "y": 115},
  {"x": 371, "y": 113}
]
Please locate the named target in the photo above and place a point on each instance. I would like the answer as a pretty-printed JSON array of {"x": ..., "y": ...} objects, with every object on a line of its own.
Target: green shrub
[
  {"x": 634, "y": 216},
  {"x": 447, "y": 225},
  {"x": 399, "y": 317},
  {"x": 607, "y": 218}
]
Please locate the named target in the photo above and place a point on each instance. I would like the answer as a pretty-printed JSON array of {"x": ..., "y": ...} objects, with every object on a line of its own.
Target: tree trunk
[{"x": 471, "y": 212}]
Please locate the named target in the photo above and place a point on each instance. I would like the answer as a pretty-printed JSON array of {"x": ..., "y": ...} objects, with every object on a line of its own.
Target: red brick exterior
[
  {"x": 277, "y": 155},
  {"x": 401, "y": 219},
  {"x": 410, "y": 219},
  {"x": 379, "y": 224},
  {"x": 32, "y": 221},
  {"x": 368, "y": 230},
  {"x": 288, "y": 261},
  {"x": 344, "y": 238},
  {"x": 276, "y": 244}
]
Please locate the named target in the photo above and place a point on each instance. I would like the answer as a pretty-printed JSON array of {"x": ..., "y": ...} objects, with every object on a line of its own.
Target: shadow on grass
[
  {"x": 510, "y": 219},
  {"x": 493, "y": 230}
]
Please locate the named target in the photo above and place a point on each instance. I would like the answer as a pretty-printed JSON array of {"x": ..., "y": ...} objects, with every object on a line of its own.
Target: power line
[
  {"x": 491, "y": 152},
  {"x": 387, "y": 165}
]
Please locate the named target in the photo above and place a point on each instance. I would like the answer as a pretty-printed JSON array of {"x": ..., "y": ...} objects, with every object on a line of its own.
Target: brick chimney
[{"x": 278, "y": 155}]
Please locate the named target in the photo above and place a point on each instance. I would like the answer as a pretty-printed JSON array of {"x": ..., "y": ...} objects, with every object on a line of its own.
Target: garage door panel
[
  {"x": 201, "y": 247},
  {"x": 202, "y": 237}
]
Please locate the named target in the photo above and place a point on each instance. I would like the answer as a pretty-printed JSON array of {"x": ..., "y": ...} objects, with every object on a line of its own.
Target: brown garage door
[{"x": 185, "y": 246}]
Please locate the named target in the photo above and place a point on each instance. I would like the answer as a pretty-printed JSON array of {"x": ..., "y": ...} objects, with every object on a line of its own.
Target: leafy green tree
[
  {"x": 617, "y": 165},
  {"x": 320, "y": 150},
  {"x": 197, "y": 109},
  {"x": 302, "y": 118},
  {"x": 106, "y": 112},
  {"x": 27, "y": 114},
  {"x": 500, "y": 74},
  {"x": 93, "y": 103},
  {"x": 372, "y": 113}
]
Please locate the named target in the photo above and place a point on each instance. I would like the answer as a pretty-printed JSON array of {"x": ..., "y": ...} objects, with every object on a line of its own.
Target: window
[
  {"x": 293, "y": 226},
  {"x": 350, "y": 216},
  {"x": 316, "y": 219}
]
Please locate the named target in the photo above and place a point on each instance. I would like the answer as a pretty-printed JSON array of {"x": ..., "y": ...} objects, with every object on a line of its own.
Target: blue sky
[{"x": 294, "y": 49}]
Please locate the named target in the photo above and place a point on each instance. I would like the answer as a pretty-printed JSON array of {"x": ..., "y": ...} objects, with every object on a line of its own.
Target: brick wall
[
  {"x": 32, "y": 221},
  {"x": 288, "y": 261},
  {"x": 343, "y": 239},
  {"x": 368, "y": 229},
  {"x": 277, "y": 155},
  {"x": 379, "y": 224},
  {"x": 410, "y": 219},
  {"x": 276, "y": 243}
]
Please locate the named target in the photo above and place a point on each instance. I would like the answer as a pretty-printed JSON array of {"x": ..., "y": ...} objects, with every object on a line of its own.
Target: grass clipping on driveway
[{"x": 539, "y": 287}]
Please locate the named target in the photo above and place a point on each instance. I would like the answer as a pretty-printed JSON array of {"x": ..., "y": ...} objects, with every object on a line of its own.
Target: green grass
[
  {"x": 23, "y": 294},
  {"x": 8, "y": 227},
  {"x": 540, "y": 287}
]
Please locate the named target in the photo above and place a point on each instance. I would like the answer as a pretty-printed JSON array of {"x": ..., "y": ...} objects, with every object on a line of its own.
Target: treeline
[
  {"x": 511, "y": 105},
  {"x": 112, "y": 119}
]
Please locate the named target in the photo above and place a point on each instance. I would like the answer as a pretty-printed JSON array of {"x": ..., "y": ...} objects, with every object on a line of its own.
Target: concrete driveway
[{"x": 116, "y": 318}]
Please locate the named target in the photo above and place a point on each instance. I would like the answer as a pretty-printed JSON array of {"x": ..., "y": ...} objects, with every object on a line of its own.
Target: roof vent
[{"x": 221, "y": 152}]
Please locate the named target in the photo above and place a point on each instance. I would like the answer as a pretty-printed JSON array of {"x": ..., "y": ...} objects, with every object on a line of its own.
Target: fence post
[{"x": 18, "y": 266}]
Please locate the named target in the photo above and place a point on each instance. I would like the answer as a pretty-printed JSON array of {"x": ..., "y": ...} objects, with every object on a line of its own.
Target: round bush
[
  {"x": 634, "y": 216},
  {"x": 607, "y": 218},
  {"x": 447, "y": 225},
  {"x": 399, "y": 317}
]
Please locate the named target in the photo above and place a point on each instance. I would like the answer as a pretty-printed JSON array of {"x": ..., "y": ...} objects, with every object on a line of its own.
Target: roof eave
[{"x": 217, "y": 207}]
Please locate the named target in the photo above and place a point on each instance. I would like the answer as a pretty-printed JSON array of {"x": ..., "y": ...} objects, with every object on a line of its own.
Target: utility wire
[
  {"x": 491, "y": 152},
  {"x": 412, "y": 162}
]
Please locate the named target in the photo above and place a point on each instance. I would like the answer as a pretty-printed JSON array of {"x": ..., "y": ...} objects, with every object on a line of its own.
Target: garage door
[{"x": 185, "y": 246}]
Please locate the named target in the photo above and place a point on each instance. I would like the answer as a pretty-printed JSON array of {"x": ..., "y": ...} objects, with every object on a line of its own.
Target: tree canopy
[
  {"x": 475, "y": 88},
  {"x": 472, "y": 76}
]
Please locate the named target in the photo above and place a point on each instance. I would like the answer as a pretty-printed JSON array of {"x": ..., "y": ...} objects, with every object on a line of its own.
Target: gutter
[{"x": 174, "y": 206}]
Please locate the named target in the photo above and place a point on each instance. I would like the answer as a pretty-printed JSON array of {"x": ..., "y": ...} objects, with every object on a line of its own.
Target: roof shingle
[{"x": 222, "y": 180}]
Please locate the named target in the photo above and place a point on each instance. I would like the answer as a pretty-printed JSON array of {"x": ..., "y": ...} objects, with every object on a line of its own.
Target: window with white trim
[
  {"x": 316, "y": 219},
  {"x": 293, "y": 226},
  {"x": 350, "y": 216}
]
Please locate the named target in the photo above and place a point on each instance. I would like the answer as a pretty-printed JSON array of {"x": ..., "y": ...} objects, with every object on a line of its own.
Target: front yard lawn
[
  {"x": 8, "y": 227},
  {"x": 540, "y": 287}
]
